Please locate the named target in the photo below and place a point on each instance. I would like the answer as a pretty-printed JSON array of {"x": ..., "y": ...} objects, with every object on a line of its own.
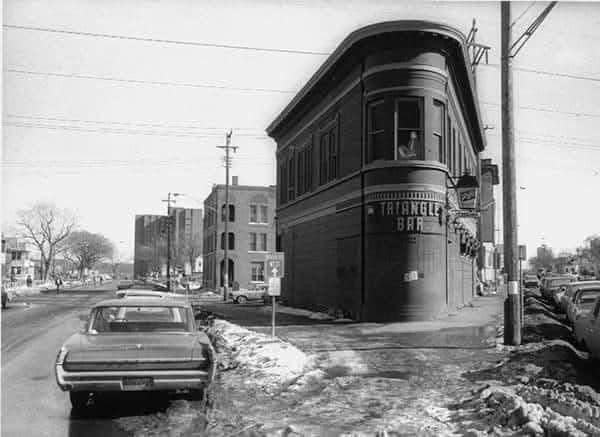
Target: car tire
[
  {"x": 197, "y": 394},
  {"x": 241, "y": 299},
  {"x": 79, "y": 399}
]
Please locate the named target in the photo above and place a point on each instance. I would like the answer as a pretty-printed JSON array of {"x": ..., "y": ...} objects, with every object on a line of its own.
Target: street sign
[
  {"x": 274, "y": 287},
  {"x": 274, "y": 265},
  {"x": 522, "y": 252}
]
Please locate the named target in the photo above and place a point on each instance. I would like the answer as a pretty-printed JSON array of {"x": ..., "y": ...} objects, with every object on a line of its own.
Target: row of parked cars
[
  {"x": 139, "y": 341},
  {"x": 580, "y": 301}
]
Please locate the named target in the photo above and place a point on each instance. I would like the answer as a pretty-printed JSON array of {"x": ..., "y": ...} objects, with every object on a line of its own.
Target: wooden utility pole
[
  {"x": 512, "y": 304},
  {"x": 512, "y": 319},
  {"x": 227, "y": 148},
  {"x": 169, "y": 200}
]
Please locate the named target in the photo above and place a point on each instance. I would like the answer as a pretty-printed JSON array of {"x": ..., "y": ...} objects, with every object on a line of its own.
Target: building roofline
[{"x": 378, "y": 29}]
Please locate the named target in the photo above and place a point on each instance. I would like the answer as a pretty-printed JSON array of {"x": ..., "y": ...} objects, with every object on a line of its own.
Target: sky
[{"x": 107, "y": 126}]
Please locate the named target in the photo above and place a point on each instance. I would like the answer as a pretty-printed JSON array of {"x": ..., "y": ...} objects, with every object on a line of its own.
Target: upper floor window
[
  {"x": 438, "y": 130},
  {"x": 231, "y": 213},
  {"x": 255, "y": 217},
  {"x": 328, "y": 154},
  {"x": 231, "y": 242},
  {"x": 291, "y": 179},
  {"x": 408, "y": 138},
  {"x": 394, "y": 129}
]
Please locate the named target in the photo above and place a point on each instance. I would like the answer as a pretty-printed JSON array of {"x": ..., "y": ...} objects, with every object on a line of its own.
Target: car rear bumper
[{"x": 113, "y": 380}]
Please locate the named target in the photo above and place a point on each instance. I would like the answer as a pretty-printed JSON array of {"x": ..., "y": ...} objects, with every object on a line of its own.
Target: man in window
[{"x": 408, "y": 150}]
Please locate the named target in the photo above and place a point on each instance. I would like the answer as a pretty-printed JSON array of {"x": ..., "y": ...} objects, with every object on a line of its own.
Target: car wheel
[
  {"x": 197, "y": 394},
  {"x": 79, "y": 399},
  {"x": 583, "y": 345},
  {"x": 241, "y": 299}
]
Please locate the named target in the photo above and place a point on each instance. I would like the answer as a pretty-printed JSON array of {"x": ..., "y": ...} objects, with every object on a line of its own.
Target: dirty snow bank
[
  {"x": 270, "y": 361},
  {"x": 539, "y": 388}
]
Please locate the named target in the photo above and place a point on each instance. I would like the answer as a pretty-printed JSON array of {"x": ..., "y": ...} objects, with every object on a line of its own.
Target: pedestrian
[
  {"x": 101, "y": 279},
  {"x": 29, "y": 281},
  {"x": 58, "y": 283}
]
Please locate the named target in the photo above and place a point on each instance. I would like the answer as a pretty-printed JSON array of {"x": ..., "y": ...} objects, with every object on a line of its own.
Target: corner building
[{"x": 368, "y": 155}]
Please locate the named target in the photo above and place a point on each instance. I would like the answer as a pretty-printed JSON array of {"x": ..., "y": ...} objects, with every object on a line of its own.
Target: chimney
[{"x": 234, "y": 180}]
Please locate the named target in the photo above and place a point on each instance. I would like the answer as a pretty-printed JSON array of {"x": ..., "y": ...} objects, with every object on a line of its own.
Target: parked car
[
  {"x": 258, "y": 292},
  {"x": 140, "y": 293},
  {"x": 571, "y": 288},
  {"x": 530, "y": 281},
  {"x": 552, "y": 284},
  {"x": 582, "y": 301},
  {"x": 124, "y": 284},
  {"x": 135, "y": 344},
  {"x": 587, "y": 330}
]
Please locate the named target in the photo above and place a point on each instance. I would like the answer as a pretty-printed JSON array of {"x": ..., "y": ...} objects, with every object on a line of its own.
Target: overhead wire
[
  {"x": 163, "y": 41},
  {"x": 143, "y": 82}
]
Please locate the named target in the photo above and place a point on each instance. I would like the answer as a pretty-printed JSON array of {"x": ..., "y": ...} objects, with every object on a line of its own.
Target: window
[
  {"x": 253, "y": 241},
  {"x": 308, "y": 169},
  {"x": 263, "y": 242},
  {"x": 258, "y": 271},
  {"x": 447, "y": 141},
  {"x": 438, "y": 129},
  {"x": 282, "y": 183},
  {"x": 231, "y": 241},
  {"x": 408, "y": 134},
  {"x": 300, "y": 172},
  {"x": 253, "y": 214},
  {"x": 328, "y": 155},
  {"x": 460, "y": 156},
  {"x": 376, "y": 132},
  {"x": 453, "y": 153},
  {"x": 291, "y": 179},
  {"x": 263, "y": 214},
  {"x": 231, "y": 213}
]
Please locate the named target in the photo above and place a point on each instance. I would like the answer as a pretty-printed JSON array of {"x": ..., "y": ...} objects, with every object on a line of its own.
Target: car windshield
[
  {"x": 589, "y": 296},
  {"x": 140, "y": 319}
]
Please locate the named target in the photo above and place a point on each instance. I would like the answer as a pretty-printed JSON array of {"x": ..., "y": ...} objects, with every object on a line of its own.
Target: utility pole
[
  {"x": 169, "y": 200},
  {"x": 227, "y": 148},
  {"x": 512, "y": 304}
]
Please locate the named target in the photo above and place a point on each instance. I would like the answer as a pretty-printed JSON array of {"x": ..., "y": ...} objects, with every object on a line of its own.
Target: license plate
[{"x": 137, "y": 383}]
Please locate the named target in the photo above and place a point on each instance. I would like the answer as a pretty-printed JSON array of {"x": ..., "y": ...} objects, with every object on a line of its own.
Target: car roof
[{"x": 143, "y": 301}]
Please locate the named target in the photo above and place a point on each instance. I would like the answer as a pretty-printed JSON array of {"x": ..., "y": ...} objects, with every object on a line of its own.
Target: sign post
[{"x": 275, "y": 268}]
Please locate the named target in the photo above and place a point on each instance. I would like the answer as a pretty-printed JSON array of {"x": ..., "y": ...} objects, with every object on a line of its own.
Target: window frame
[
  {"x": 420, "y": 106},
  {"x": 440, "y": 136},
  {"x": 261, "y": 266}
]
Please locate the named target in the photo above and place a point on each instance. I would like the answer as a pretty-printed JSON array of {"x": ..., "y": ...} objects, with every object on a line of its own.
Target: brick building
[
  {"x": 368, "y": 156},
  {"x": 251, "y": 234}
]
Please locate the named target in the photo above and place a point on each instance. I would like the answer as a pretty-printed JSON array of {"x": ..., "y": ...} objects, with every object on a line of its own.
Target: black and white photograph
[{"x": 290, "y": 218}]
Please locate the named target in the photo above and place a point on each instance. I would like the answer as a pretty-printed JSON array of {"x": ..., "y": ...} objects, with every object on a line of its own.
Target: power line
[
  {"x": 522, "y": 13},
  {"x": 142, "y": 82},
  {"x": 540, "y": 109},
  {"x": 163, "y": 41},
  {"x": 131, "y": 123},
  {"x": 549, "y": 73},
  {"x": 122, "y": 131}
]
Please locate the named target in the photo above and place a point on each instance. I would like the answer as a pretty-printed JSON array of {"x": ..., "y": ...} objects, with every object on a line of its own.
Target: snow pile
[
  {"x": 268, "y": 362},
  {"x": 531, "y": 410},
  {"x": 300, "y": 312}
]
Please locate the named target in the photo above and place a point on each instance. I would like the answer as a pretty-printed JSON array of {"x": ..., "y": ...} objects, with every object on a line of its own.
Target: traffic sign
[
  {"x": 274, "y": 287},
  {"x": 275, "y": 265}
]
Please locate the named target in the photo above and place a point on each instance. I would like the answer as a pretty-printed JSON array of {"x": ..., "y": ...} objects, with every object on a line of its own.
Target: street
[{"x": 33, "y": 329}]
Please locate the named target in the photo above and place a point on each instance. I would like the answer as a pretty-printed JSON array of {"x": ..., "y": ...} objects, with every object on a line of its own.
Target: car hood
[{"x": 137, "y": 346}]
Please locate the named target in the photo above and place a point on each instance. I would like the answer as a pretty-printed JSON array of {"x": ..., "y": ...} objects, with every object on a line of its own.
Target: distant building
[
  {"x": 251, "y": 230},
  {"x": 16, "y": 260},
  {"x": 489, "y": 178},
  {"x": 150, "y": 249}
]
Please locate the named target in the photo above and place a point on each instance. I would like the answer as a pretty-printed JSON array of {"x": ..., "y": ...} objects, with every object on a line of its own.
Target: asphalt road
[{"x": 33, "y": 329}]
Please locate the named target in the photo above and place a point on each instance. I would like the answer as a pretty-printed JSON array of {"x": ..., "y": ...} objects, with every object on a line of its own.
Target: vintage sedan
[
  {"x": 582, "y": 302},
  {"x": 136, "y": 344},
  {"x": 587, "y": 330},
  {"x": 570, "y": 290}
]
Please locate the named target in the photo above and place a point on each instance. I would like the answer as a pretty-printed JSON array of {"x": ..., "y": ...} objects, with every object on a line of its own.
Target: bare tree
[
  {"x": 47, "y": 227},
  {"x": 85, "y": 249}
]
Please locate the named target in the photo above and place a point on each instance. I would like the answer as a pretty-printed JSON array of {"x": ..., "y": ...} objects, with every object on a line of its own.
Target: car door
[{"x": 592, "y": 336}]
